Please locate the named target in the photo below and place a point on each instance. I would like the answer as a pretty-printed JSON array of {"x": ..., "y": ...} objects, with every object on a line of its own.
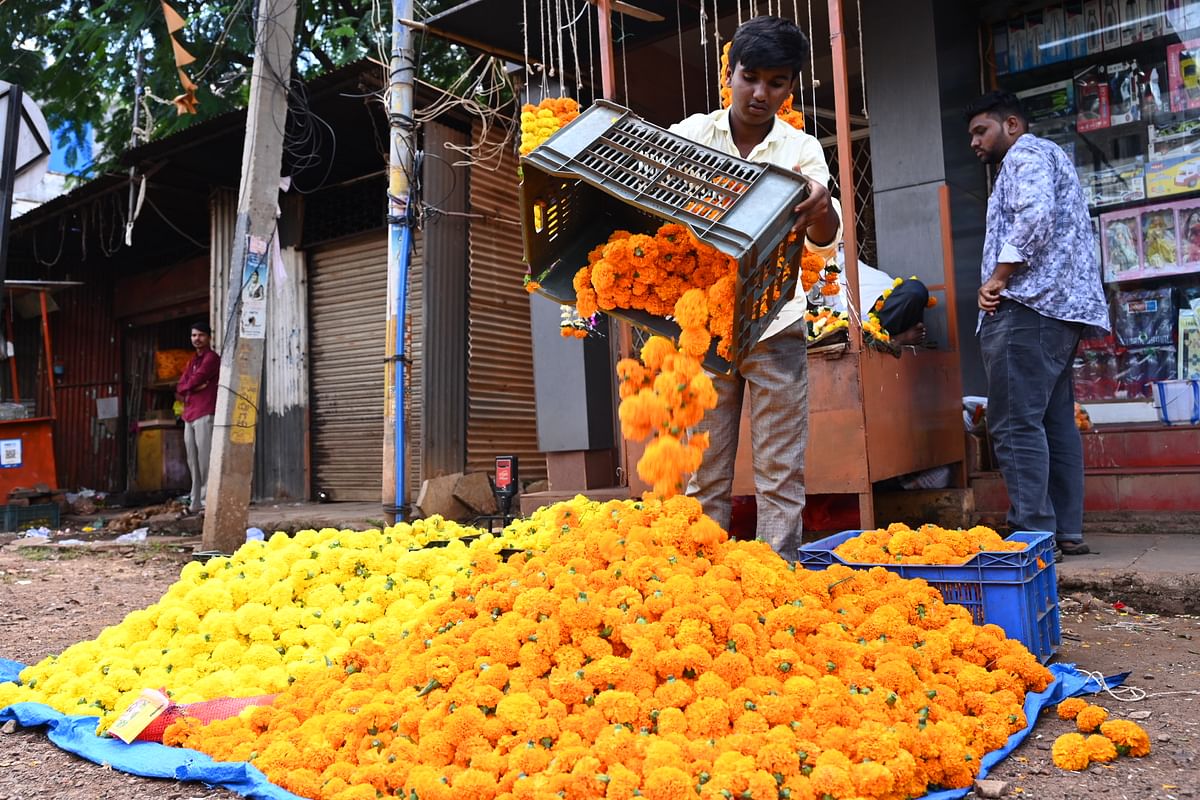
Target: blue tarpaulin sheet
[{"x": 76, "y": 734}]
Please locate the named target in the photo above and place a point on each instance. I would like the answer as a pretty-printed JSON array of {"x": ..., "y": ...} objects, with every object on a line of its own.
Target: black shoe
[
  {"x": 1058, "y": 554},
  {"x": 1073, "y": 548}
]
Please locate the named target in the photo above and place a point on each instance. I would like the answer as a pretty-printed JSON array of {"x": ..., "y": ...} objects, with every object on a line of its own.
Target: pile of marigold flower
[
  {"x": 1074, "y": 751},
  {"x": 538, "y": 123},
  {"x": 824, "y": 321},
  {"x": 645, "y": 654},
  {"x": 251, "y": 623},
  {"x": 928, "y": 544}
]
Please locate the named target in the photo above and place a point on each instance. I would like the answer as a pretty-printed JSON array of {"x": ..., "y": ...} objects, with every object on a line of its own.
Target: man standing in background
[
  {"x": 1040, "y": 291},
  {"x": 198, "y": 389}
]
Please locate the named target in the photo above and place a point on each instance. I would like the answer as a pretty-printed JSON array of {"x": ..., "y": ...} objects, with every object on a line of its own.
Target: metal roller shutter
[
  {"x": 347, "y": 313},
  {"x": 501, "y": 412}
]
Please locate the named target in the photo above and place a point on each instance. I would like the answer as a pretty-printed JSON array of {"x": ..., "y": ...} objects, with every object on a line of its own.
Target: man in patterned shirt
[{"x": 1040, "y": 292}]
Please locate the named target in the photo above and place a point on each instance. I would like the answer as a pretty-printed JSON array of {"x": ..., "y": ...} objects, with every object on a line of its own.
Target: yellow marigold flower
[{"x": 1100, "y": 749}]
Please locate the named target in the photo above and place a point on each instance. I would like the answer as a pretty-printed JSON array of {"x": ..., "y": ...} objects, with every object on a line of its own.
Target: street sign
[{"x": 33, "y": 141}]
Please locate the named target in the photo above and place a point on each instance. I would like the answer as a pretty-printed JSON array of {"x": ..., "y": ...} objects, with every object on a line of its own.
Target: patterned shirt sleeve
[{"x": 1031, "y": 202}]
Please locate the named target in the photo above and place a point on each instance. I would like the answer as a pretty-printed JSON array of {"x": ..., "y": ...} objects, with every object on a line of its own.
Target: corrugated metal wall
[
  {"x": 347, "y": 326},
  {"x": 84, "y": 342},
  {"x": 444, "y": 297},
  {"x": 85, "y": 338},
  {"x": 501, "y": 412},
  {"x": 222, "y": 205},
  {"x": 281, "y": 450}
]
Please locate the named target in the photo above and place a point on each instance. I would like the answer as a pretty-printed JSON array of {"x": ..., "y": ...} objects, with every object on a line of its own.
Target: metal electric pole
[
  {"x": 231, "y": 466},
  {"x": 402, "y": 145}
]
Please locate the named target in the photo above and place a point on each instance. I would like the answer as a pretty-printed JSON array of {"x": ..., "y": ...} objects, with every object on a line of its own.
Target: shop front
[{"x": 1114, "y": 84}]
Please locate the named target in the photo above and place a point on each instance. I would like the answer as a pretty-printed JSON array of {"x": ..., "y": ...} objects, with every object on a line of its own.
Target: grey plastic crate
[{"x": 609, "y": 169}]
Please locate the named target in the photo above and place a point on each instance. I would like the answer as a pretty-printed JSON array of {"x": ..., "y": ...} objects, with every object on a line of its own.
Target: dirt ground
[{"x": 50, "y": 601}]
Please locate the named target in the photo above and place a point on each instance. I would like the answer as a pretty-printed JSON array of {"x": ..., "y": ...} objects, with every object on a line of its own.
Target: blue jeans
[{"x": 1031, "y": 417}]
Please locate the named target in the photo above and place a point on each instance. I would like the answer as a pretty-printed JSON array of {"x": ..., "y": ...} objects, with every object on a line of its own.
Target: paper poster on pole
[{"x": 255, "y": 275}]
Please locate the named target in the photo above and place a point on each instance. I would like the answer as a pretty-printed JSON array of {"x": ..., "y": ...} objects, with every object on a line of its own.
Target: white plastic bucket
[{"x": 1178, "y": 402}]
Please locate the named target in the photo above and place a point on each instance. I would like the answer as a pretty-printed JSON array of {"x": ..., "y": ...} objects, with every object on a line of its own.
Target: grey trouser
[
  {"x": 1028, "y": 359},
  {"x": 776, "y": 371},
  {"x": 197, "y": 439}
]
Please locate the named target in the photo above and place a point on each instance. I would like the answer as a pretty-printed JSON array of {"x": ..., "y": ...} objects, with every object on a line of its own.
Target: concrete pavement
[{"x": 1149, "y": 572}]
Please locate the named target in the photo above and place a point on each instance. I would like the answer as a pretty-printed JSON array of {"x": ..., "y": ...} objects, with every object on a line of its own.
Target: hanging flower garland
[{"x": 538, "y": 123}]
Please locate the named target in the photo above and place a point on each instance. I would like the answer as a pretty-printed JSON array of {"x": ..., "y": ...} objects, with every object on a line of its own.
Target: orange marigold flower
[
  {"x": 1129, "y": 737},
  {"x": 1069, "y": 751},
  {"x": 1090, "y": 718},
  {"x": 1100, "y": 749}
]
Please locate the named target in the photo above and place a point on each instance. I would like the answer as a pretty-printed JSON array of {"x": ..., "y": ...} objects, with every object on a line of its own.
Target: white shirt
[
  {"x": 871, "y": 284},
  {"x": 785, "y": 147}
]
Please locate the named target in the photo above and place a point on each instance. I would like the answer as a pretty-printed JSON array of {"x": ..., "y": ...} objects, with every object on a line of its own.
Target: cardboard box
[
  {"x": 1153, "y": 20},
  {"x": 1054, "y": 32},
  {"x": 1169, "y": 176},
  {"x": 1183, "y": 74},
  {"x": 1110, "y": 24},
  {"x": 1019, "y": 57},
  {"x": 1120, "y": 182},
  {"x": 1180, "y": 138},
  {"x": 1124, "y": 92},
  {"x": 1174, "y": 15},
  {"x": 1160, "y": 243},
  {"x": 1121, "y": 243},
  {"x": 1091, "y": 101},
  {"x": 1093, "y": 22},
  {"x": 1074, "y": 24},
  {"x": 1037, "y": 39},
  {"x": 1052, "y": 101},
  {"x": 1188, "y": 212},
  {"x": 1131, "y": 25},
  {"x": 1191, "y": 14},
  {"x": 1188, "y": 359},
  {"x": 1000, "y": 47}
]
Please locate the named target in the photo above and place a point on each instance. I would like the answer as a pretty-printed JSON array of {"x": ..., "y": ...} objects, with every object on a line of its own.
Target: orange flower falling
[
  {"x": 640, "y": 654},
  {"x": 666, "y": 394},
  {"x": 539, "y": 122}
]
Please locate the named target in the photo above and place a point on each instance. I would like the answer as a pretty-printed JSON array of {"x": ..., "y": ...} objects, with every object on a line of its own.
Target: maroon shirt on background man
[{"x": 202, "y": 371}]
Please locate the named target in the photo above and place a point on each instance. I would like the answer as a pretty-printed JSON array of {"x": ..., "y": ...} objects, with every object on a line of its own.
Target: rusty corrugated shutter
[
  {"x": 501, "y": 412},
  {"x": 347, "y": 309}
]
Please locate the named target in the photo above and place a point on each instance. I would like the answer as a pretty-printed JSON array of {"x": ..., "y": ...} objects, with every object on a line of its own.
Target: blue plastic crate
[
  {"x": 19, "y": 518},
  {"x": 1011, "y": 590}
]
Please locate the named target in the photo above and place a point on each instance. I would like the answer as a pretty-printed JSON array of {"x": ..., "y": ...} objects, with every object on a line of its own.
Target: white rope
[
  {"x": 543, "y": 13},
  {"x": 591, "y": 53},
  {"x": 682, "y": 73},
  {"x": 739, "y": 10},
  {"x": 624, "y": 64},
  {"x": 575, "y": 53},
  {"x": 717, "y": 47},
  {"x": 704, "y": 53},
  {"x": 562, "y": 62},
  {"x": 812, "y": 68},
  {"x": 525, "y": 38},
  {"x": 1127, "y": 693},
  {"x": 862, "y": 69}
]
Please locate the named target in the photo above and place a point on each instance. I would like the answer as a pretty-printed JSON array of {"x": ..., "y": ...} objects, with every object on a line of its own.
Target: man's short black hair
[
  {"x": 769, "y": 42},
  {"x": 202, "y": 327},
  {"x": 998, "y": 105}
]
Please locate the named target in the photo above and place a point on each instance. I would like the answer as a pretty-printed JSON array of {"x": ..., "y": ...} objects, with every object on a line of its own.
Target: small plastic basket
[
  {"x": 609, "y": 169},
  {"x": 20, "y": 518},
  {"x": 1017, "y": 591}
]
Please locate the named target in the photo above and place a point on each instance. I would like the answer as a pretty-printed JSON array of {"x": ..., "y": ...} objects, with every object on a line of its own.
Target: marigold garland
[
  {"x": 643, "y": 653},
  {"x": 538, "y": 123},
  {"x": 928, "y": 544}
]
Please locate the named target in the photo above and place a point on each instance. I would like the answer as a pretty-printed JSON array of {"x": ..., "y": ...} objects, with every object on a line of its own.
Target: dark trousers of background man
[{"x": 1028, "y": 360}]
